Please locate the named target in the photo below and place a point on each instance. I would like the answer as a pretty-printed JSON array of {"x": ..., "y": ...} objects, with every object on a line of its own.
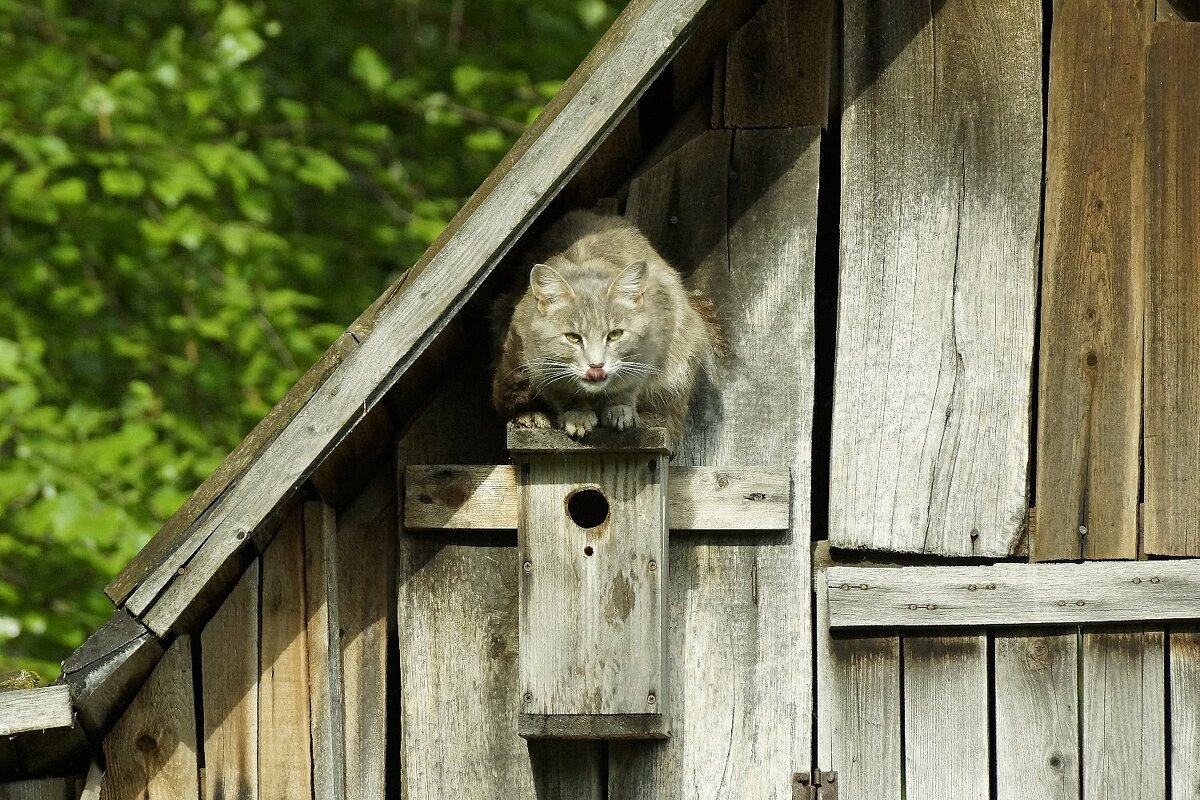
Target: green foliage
[{"x": 195, "y": 199}]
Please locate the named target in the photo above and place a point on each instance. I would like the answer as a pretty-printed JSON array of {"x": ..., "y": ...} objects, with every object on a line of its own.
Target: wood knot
[{"x": 146, "y": 743}]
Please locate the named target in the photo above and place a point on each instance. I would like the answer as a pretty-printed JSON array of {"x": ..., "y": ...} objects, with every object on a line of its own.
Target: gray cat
[{"x": 604, "y": 333}]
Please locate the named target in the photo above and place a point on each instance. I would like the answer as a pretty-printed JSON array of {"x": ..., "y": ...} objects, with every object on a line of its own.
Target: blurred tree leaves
[{"x": 195, "y": 198}]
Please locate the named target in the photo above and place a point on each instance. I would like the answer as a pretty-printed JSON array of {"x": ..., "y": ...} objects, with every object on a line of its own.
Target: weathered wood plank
[
  {"x": 946, "y": 726},
  {"x": 1172, "y": 347},
  {"x": 1124, "y": 722},
  {"x": 44, "y": 789},
  {"x": 38, "y": 709},
  {"x": 1089, "y": 395},
  {"x": 366, "y": 549},
  {"x": 1184, "y": 714},
  {"x": 321, "y": 581},
  {"x": 229, "y": 677},
  {"x": 284, "y": 733},
  {"x": 641, "y": 41},
  {"x": 457, "y": 625},
  {"x": 777, "y": 68},
  {"x": 151, "y": 753},
  {"x": 1037, "y": 723},
  {"x": 740, "y": 604},
  {"x": 592, "y": 599},
  {"x": 858, "y": 704},
  {"x": 108, "y": 670},
  {"x": 1015, "y": 594},
  {"x": 941, "y": 155},
  {"x": 464, "y": 497}
]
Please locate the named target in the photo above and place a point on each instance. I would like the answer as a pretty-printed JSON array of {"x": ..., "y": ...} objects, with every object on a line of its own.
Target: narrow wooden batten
[{"x": 1064, "y": 594}]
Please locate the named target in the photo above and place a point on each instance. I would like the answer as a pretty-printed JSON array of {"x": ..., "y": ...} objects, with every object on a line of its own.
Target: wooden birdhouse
[{"x": 592, "y": 542}]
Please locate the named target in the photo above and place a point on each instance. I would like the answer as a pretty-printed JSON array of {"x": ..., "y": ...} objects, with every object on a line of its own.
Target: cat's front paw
[
  {"x": 621, "y": 418},
  {"x": 532, "y": 419},
  {"x": 578, "y": 423}
]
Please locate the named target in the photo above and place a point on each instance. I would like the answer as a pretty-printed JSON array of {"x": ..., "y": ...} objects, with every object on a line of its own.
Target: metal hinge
[{"x": 815, "y": 785}]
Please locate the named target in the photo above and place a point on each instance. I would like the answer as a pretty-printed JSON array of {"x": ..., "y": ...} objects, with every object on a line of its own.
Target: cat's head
[{"x": 590, "y": 328}]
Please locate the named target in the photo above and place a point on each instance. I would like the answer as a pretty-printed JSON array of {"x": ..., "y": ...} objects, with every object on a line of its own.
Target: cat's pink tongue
[{"x": 596, "y": 374}]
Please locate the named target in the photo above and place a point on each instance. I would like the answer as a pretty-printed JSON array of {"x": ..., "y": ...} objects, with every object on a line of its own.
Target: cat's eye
[
  {"x": 615, "y": 334},
  {"x": 573, "y": 338}
]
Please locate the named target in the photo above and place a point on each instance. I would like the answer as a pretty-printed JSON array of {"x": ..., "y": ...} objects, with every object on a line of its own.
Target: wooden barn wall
[{"x": 283, "y": 694}]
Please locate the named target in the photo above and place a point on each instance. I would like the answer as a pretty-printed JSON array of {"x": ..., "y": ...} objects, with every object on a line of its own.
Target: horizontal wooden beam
[
  {"x": 26, "y": 710},
  {"x": 468, "y": 497},
  {"x": 1093, "y": 592}
]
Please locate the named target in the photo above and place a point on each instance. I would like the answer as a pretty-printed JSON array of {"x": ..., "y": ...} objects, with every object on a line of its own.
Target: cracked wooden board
[{"x": 941, "y": 154}]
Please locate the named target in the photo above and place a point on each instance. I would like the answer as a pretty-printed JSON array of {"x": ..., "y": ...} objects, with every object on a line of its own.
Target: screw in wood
[
  {"x": 528, "y": 566},
  {"x": 651, "y": 699},
  {"x": 653, "y": 566},
  {"x": 528, "y": 697}
]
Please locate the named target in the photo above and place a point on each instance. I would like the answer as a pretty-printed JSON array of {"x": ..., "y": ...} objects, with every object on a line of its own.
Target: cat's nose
[{"x": 595, "y": 372}]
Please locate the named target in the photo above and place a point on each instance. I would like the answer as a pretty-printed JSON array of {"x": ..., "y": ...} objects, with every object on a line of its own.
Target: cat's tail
[{"x": 703, "y": 305}]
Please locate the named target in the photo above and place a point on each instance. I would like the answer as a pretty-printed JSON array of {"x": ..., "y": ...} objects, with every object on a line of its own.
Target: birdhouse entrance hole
[{"x": 587, "y": 508}]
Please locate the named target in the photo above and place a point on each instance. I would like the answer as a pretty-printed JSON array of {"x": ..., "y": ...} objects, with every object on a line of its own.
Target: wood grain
[
  {"x": 457, "y": 624},
  {"x": 858, "y": 705},
  {"x": 229, "y": 677},
  {"x": 1172, "y": 347},
  {"x": 777, "y": 67},
  {"x": 941, "y": 155},
  {"x": 946, "y": 724},
  {"x": 1014, "y": 594},
  {"x": 44, "y": 789},
  {"x": 151, "y": 753},
  {"x": 641, "y": 41},
  {"x": 38, "y": 709},
  {"x": 1124, "y": 722},
  {"x": 466, "y": 497},
  {"x": 1184, "y": 712},
  {"x": 366, "y": 558},
  {"x": 1089, "y": 390},
  {"x": 1036, "y": 723},
  {"x": 739, "y": 604},
  {"x": 321, "y": 580},
  {"x": 284, "y": 733}
]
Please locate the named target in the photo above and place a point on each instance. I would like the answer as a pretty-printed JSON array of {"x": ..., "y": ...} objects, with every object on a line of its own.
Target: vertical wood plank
[
  {"x": 229, "y": 671},
  {"x": 858, "y": 709},
  {"x": 946, "y": 726},
  {"x": 1037, "y": 723},
  {"x": 1172, "y": 348},
  {"x": 457, "y": 625},
  {"x": 1089, "y": 395},
  {"x": 45, "y": 789},
  {"x": 284, "y": 733},
  {"x": 324, "y": 652},
  {"x": 740, "y": 638},
  {"x": 777, "y": 69},
  {"x": 1184, "y": 663},
  {"x": 151, "y": 753},
  {"x": 1124, "y": 715},
  {"x": 366, "y": 554},
  {"x": 941, "y": 155}
]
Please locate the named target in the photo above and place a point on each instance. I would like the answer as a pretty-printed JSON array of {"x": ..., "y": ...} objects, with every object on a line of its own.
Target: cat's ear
[
  {"x": 550, "y": 288},
  {"x": 630, "y": 285}
]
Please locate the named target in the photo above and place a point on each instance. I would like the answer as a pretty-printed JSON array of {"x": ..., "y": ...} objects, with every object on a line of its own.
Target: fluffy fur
[{"x": 600, "y": 300}]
